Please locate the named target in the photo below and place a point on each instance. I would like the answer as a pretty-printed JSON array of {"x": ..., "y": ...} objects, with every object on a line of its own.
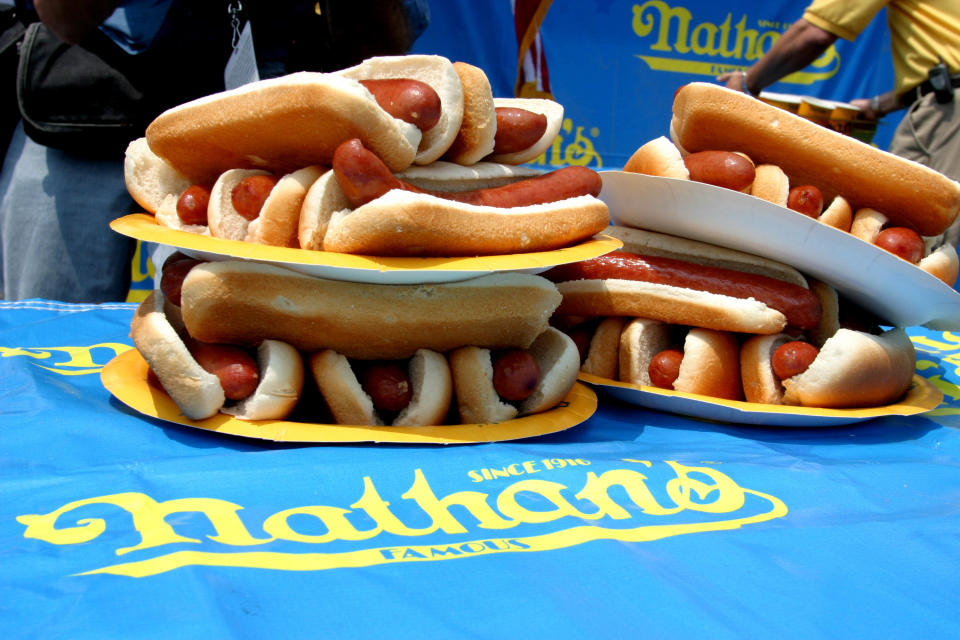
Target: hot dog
[
  {"x": 526, "y": 127},
  {"x": 851, "y": 369},
  {"x": 256, "y": 206},
  {"x": 413, "y": 393},
  {"x": 655, "y": 277},
  {"x": 492, "y": 387},
  {"x": 707, "y": 116},
  {"x": 204, "y": 379},
  {"x": 772, "y": 183},
  {"x": 388, "y": 216},
  {"x": 436, "y": 72}
]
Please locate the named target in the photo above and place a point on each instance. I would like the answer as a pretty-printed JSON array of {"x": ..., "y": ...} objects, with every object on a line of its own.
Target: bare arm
[
  {"x": 73, "y": 20},
  {"x": 802, "y": 43}
]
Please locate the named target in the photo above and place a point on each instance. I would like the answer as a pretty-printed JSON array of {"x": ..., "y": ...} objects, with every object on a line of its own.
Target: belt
[{"x": 909, "y": 97}]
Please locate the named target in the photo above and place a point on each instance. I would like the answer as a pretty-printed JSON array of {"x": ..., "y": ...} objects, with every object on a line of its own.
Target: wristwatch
[{"x": 875, "y": 105}]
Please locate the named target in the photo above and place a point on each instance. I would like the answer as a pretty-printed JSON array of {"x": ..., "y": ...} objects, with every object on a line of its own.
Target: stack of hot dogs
[
  {"x": 689, "y": 316},
  {"x": 370, "y": 160},
  {"x": 400, "y": 155},
  {"x": 694, "y": 317}
]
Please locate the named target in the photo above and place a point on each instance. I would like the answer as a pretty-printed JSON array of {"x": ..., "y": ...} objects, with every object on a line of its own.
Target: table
[{"x": 634, "y": 523}]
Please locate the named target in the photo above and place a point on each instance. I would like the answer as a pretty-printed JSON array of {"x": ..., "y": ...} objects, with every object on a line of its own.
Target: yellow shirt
[{"x": 921, "y": 32}]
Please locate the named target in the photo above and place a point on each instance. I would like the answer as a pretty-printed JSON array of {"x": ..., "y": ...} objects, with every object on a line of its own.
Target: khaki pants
[{"x": 929, "y": 133}]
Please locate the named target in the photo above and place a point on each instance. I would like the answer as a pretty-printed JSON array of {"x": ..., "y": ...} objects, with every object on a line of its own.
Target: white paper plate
[
  {"x": 873, "y": 278},
  {"x": 355, "y": 268}
]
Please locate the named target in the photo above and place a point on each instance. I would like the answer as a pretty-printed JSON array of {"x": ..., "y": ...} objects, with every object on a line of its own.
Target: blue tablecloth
[{"x": 633, "y": 524}]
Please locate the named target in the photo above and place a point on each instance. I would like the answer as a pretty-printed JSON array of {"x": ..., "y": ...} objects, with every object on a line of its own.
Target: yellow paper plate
[
  {"x": 356, "y": 268},
  {"x": 126, "y": 378},
  {"x": 922, "y": 396}
]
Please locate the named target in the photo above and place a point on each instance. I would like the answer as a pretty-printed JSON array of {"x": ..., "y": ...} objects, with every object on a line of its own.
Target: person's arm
[
  {"x": 797, "y": 48},
  {"x": 74, "y": 20}
]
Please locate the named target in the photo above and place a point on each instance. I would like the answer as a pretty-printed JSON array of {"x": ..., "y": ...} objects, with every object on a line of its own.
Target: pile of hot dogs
[
  {"x": 400, "y": 155},
  {"x": 688, "y": 316},
  {"x": 374, "y": 160},
  {"x": 370, "y": 172}
]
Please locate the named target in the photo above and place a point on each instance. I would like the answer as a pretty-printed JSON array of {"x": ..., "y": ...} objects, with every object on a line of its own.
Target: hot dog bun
[
  {"x": 325, "y": 196},
  {"x": 474, "y": 140},
  {"x": 473, "y": 379},
  {"x": 667, "y": 303},
  {"x": 708, "y": 116},
  {"x": 553, "y": 111},
  {"x": 149, "y": 178},
  {"x": 641, "y": 339},
  {"x": 853, "y": 369},
  {"x": 349, "y": 403},
  {"x": 281, "y": 125},
  {"x": 710, "y": 364},
  {"x": 436, "y": 71},
  {"x": 242, "y": 303},
  {"x": 280, "y": 386},
  {"x": 658, "y": 157},
  {"x": 197, "y": 392},
  {"x": 433, "y": 226}
]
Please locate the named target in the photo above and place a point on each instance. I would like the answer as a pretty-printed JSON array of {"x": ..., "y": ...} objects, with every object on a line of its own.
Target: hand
[
  {"x": 732, "y": 80},
  {"x": 866, "y": 108}
]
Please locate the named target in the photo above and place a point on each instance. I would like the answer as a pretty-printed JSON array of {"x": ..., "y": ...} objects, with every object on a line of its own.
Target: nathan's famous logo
[
  {"x": 573, "y": 146},
  {"x": 534, "y": 513},
  {"x": 682, "y": 45},
  {"x": 69, "y": 361},
  {"x": 946, "y": 348}
]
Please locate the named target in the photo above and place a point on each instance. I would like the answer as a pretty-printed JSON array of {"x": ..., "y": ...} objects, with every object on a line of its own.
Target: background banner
[{"x": 615, "y": 64}]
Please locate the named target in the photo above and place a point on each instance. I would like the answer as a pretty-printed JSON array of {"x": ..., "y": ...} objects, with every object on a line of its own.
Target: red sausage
[
  {"x": 363, "y": 177},
  {"x": 235, "y": 367},
  {"x": 902, "y": 242},
  {"x": 799, "y": 305},
  {"x": 721, "y": 168},
  {"x": 664, "y": 368},
  {"x": 409, "y": 100},
  {"x": 793, "y": 358},
  {"x": 517, "y": 129},
  {"x": 175, "y": 269},
  {"x": 192, "y": 205},
  {"x": 250, "y": 193},
  {"x": 807, "y": 200},
  {"x": 516, "y": 375},
  {"x": 387, "y": 384}
]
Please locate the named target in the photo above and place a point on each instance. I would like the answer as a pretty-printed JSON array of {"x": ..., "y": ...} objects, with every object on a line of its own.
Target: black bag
[
  {"x": 77, "y": 97},
  {"x": 94, "y": 97},
  {"x": 11, "y": 33}
]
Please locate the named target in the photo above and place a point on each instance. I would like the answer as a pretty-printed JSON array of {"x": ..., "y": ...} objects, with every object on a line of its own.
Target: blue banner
[{"x": 614, "y": 64}]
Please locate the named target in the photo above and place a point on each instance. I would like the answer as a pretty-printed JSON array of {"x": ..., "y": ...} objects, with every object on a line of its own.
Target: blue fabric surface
[{"x": 632, "y": 522}]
